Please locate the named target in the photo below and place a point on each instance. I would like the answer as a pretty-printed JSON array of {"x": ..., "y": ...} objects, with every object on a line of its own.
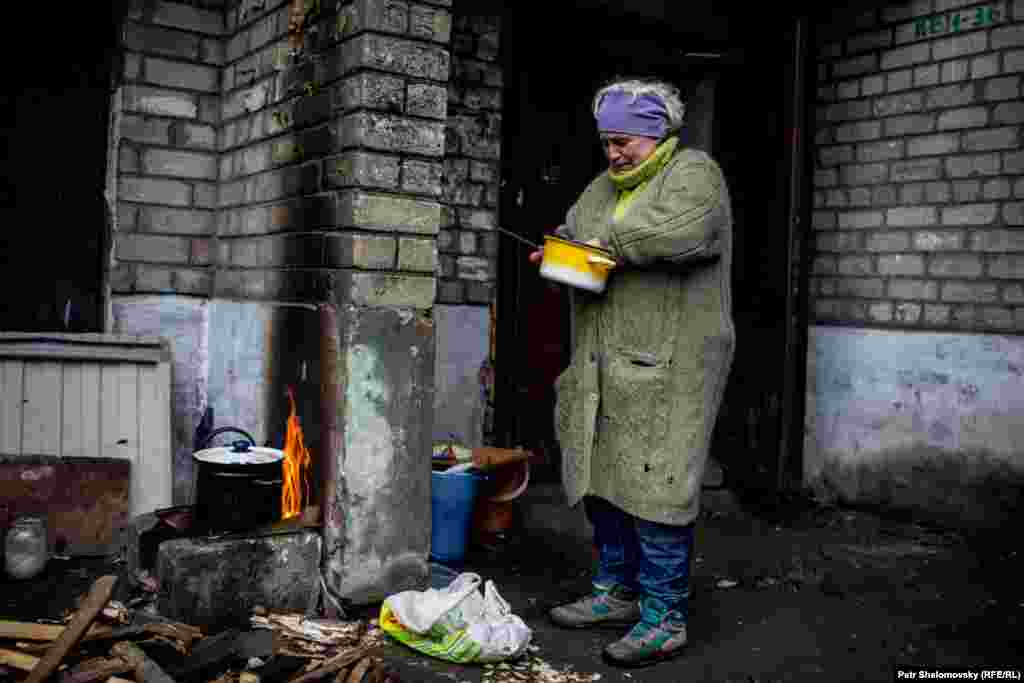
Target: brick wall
[
  {"x": 260, "y": 172},
  {"x": 166, "y": 148},
  {"x": 919, "y": 193},
  {"x": 468, "y": 242}
]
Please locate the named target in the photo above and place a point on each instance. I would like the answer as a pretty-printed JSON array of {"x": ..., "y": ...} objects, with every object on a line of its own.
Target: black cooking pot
[{"x": 238, "y": 487}]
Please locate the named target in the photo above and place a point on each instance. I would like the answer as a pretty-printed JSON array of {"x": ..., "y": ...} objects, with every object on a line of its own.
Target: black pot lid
[{"x": 230, "y": 455}]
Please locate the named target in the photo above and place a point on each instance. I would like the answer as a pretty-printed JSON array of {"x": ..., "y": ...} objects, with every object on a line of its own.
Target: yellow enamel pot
[{"x": 576, "y": 264}]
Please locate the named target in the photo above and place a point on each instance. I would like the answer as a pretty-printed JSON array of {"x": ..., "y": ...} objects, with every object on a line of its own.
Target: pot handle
[{"x": 222, "y": 430}]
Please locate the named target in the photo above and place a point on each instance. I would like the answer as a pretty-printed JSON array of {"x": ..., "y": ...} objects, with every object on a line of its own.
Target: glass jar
[{"x": 25, "y": 547}]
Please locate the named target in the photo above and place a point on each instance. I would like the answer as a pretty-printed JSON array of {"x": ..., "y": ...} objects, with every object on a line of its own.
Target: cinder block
[
  {"x": 467, "y": 242},
  {"x": 1009, "y": 113},
  {"x": 855, "y": 132},
  {"x": 422, "y": 177},
  {"x": 430, "y": 23},
  {"x": 997, "y": 241},
  {"x": 907, "y": 313},
  {"x": 154, "y": 191},
  {"x": 362, "y": 169},
  {"x": 860, "y": 220},
  {"x": 915, "y": 216},
  {"x": 477, "y": 219},
  {"x": 915, "y": 170},
  {"x": 955, "y": 71},
  {"x": 823, "y": 220},
  {"x": 392, "y": 133},
  {"x": 921, "y": 290},
  {"x": 388, "y": 16},
  {"x": 195, "y": 19},
  {"x": 1005, "y": 88},
  {"x": 372, "y": 90},
  {"x": 905, "y": 56},
  {"x": 1008, "y": 36},
  {"x": 925, "y": 76},
  {"x": 937, "y": 192},
  {"x": 991, "y": 138},
  {"x": 880, "y": 311},
  {"x": 396, "y": 55},
  {"x": 971, "y": 292},
  {"x": 176, "y": 221},
  {"x": 856, "y": 66},
  {"x": 275, "y": 251},
  {"x": 372, "y": 252},
  {"x": 1013, "y": 162},
  {"x": 1013, "y": 213},
  {"x": 388, "y": 212},
  {"x": 424, "y": 99},
  {"x": 968, "y": 166},
  {"x": 955, "y": 265},
  {"x": 998, "y": 188},
  {"x": 417, "y": 255},
  {"x": 147, "y": 100},
  {"x": 217, "y": 583},
  {"x": 887, "y": 241},
  {"x": 181, "y": 164},
  {"x": 145, "y": 129},
  {"x": 211, "y": 51},
  {"x": 824, "y": 265},
  {"x": 1013, "y": 60},
  {"x": 161, "y": 41},
  {"x": 864, "y": 174},
  {"x": 380, "y": 289},
  {"x": 970, "y": 117},
  {"x": 287, "y": 182},
  {"x": 127, "y": 158},
  {"x": 899, "y": 80},
  {"x": 474, "y": 268},
  {"x": 204, "y": 195},
  {"x": 182, "y": 75},
  {"x": 880, "y": 151},
  {"x": 937, "y": 314},
  {"x": 951, "y": 96},
  {"x": 833, "y": 198},
  {"x": 869, "y": 41},
  {"x": 152, "y": 248},
  {"x": 900, "y": 264},
  {"x": 959, "y": 46},
  {"x": 450, "y": 292},
  {"x": 855, "y": 265},
  {"x": 909, "y": 125},
  {"x": 933, "y": 240},
  {"x": 872, "y": 85},
  {"x": 971, "y": 214},
  {"x": 848, "y": 111},
  {"x": 1007, "y": 267},
  {"x": 933, "y": 145}
]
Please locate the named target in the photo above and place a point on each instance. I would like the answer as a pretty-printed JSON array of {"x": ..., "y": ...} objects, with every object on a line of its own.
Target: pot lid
[{"x": 239, "y": 454}]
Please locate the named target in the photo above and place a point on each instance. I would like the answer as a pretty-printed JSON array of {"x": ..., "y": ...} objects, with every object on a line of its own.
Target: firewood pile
[{"x": 102, "y": 641}]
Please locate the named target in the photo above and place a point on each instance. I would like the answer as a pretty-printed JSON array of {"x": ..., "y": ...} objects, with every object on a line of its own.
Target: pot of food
[
  {"x": 237, "y": 486},
  {"x": 577, "y": 264}
]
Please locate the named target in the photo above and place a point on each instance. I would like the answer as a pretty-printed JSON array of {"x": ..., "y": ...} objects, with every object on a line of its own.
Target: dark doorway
[
  {"x": 550, "y": 153},
  {"x": 54, "y": 168}
]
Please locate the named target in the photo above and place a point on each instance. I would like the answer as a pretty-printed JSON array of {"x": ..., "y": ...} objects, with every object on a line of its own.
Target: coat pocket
[{"x": 633, "y": 394}]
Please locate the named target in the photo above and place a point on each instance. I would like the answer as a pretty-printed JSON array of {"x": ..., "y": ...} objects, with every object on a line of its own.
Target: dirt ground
[{"x": 782, "y": 592}]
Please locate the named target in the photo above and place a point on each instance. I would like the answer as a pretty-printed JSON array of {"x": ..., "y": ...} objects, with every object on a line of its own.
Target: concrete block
[
  {"x": 1013, "y": 60},
  {"x": 951, "y": 96},
  {"x": 181, "y": 164},
  {"x": 1006, "y": 88},
  {"x": 195, "y": 19},
  {"x": 855, "y": 265},
  {"x": 379, "y": 289},
  {"x": 848, "y": 111},
  {"x": 824, "y": 265},
  {"x": 907, "y": 313},
  {"x": 467, "y": 242},
  {"x": 1013, "y": 162},
  {"x": 161, "y": 41},
  {"x": 198, "y": 136},
  {"x": 869, "y": 41},
  {"x": 886, "y": 241},
  {"x": 933, "y": 145},
  {"x": 937, "y": 314},
  {"x": 392, "y": 133},
  {"x": 899, "y": 80},
  {"x": 916, "y": 170},
  {"x": 991, "y": 138},
  {"x": 925, "y": 76},
  {"x": 872, "y": 85},
  {"x": 823, "y": 220},
  {"x": 362, "y": 169},
  {"x": 287, "y": 182},
  {"x": 836, "y": 199},
  {"x": 997, "y": 241},
  {"x": 372, "y": 252},
  {"x": 911, "y": 193},
  {"x": 176, "y": 221},
  {"x": 904, "y": 11},
  {"x": 145, "y": 129},
  {"x": 904, "y": 103},
  {"x": 372, "y": 90},
  {"x": 216, "y": 583},
  {"x": 970, "y": 117},
  {"x": 211, "y": 51},
  {"x": 1007, "y": 266},
  {"x": 182, "y": 75},
  {"x": 127, "y": 158},
  {"x": 881, "y": 195},
  {"x": 430, "y": 23},
  {"x": 880, "y": 312},
  {"x": 921, "y": 290},
  {"x": 477, "y": 219},
  {"x": 396, "y": 55},
  {"x": 955, "y": 265},
  {"x": 480, "y": 292},
  {"x": 880, "y": 151},
  {"x": 856, "y": 66},
  {"x": 968, "y": 166},
  {"x": 1013, "y": 213},
  {"x": 450, "y": 292},
  {"x": 1008, "y": 36},
  {"x": 955, "y": 71},
  {"x": 204, "y": 195},
  {"x": 154, "y": 191},
  {"x": 854, "y": 132},
  {"x": 151, "y": 248},
  {"x": 474, "y": 268},
  {"x": 387, "y": 212},
  {"x": 971, "y": 292},
  {"x": 905, "y": 56},
  {"x": 971, "y": 214},
  {"x": 418, "y": 255},
  {"x": 932, "y": 240},
  {"x": 422, "y": 177},
  {"x": 274, "y": 251},
  {"x": 915, "y": 216},
  {"x": 1009, "y": 113},
  {"x": 424, "y": 99},
  {"x": 999, "y": 188},
  {"x": 388, "y": 16},
  {"x": 864, "y": 174},
  {"x": 959, "y": 46},
  {"x": 909, "y": 125},
  {"x": 148, "y": 100},
  {"x": 900, "y": 264}
]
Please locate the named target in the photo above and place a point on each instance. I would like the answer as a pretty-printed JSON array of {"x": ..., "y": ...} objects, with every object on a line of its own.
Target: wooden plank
[
  {"x": 71, "y": 412},
  {"x": 152, "y": 477},
  {"x": 128, "y": 414},
  {"x": 81, "y": 338},
  {"x": 12, "y": 388},
  {"x": 109, "y": 406},
  {"x": 23, "y": 662},
  {"x": 82, "y": 352},
  {"x": 26, "y": 630},
  {"x": 98, "y": 597},
  {"x": 91, "y": 410},
  {"x": 42, "y": 421}
]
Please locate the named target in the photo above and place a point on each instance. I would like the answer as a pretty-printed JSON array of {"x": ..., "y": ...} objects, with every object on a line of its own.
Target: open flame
[{"x": 296, "y": 466}]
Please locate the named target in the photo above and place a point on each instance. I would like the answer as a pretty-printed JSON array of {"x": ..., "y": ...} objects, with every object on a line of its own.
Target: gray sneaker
[
  {"x": 604, "y": 608},
  {"x": 660, "y": 635}
]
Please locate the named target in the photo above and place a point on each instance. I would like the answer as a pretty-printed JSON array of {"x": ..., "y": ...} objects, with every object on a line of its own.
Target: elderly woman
[{"x": 636, "y": 406}]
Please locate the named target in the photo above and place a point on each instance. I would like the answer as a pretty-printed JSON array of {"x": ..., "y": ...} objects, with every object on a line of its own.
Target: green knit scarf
[{"x": 632, "y": 180}]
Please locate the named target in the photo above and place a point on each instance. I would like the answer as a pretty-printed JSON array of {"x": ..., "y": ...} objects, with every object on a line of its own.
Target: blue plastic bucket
[{"x": 451, "y": 508}]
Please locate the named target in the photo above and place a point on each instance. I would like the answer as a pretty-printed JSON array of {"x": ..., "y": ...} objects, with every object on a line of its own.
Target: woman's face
[{"x": 626, "y": 152}]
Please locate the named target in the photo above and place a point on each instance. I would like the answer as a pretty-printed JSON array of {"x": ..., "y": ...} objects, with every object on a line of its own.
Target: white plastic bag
[{"x": 457, "y": 622}]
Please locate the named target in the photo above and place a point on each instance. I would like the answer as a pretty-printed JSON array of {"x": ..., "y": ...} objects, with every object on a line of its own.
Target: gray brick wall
[
  {"x": 918, "y": 216},
  {"x": 468, "y": 242}
]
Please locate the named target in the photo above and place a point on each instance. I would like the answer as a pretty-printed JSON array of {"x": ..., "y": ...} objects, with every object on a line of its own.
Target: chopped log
[
  {"x": 331, "y": 666},
  {"x": 98, "y": 596},
  {"x": 358, "y": 671},
  {"x": 24, "y": 662},
  {"x": 96, "y": 670},
  {"x": 146, "y": 670},
  {"x": 23, "y": 630}
]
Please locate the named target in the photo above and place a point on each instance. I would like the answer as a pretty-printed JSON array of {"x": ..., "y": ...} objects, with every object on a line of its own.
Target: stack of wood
[{"x": 105, "y": 642}]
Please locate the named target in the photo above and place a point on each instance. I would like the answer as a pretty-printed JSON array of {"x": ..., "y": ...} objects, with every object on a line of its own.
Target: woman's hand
[{"x": 537, "y": 256}]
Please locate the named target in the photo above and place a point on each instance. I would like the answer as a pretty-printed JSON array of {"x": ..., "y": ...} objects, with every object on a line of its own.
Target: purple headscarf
[{"x": 623, "y": 112}]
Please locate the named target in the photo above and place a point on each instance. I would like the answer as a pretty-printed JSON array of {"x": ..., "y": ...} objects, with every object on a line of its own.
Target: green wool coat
[{"x": 636, "y": 406}]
